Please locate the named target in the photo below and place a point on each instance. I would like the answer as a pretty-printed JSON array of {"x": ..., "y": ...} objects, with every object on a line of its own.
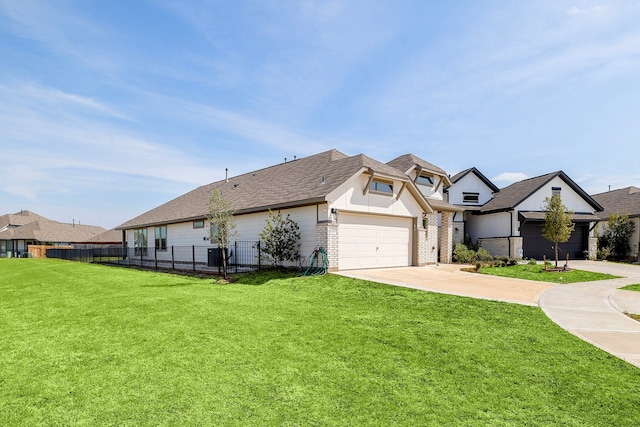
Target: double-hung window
[
  {"x": 161, "y": 238},
  {"x": 140, "y": 241}
]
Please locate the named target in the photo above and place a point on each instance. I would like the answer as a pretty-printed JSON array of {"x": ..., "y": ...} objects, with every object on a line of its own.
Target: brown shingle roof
[
  {"x": 109, "y": 236},
  {"x": 514, "y": 194},
  {"x": 622, "y": 201},
  {"x": 295, "y": 183},
  {"x": 18, "y": 219},
  {"x": 44, "y": 230},
  {"x": 406, "y": 162}
]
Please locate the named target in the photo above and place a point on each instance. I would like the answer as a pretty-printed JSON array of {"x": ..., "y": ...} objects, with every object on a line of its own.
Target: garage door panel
[
  {"x": 367, "y": 241},
  {"x": 534, "y": 245}
]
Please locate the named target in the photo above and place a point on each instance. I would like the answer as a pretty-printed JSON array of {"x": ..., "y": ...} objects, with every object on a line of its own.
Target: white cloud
[
  {"x": 59, "y": 28},
  {"x": 596, "y": 10},
  {"x": 510, "y": 177}
]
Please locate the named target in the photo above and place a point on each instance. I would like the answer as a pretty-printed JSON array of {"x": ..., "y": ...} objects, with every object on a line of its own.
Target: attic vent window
[
  {"x": 470, "y": 197},
  {"x": 424, "y": 180},
  {"x": 555, "y": 191},
  {"x": 381, "y": 186}
]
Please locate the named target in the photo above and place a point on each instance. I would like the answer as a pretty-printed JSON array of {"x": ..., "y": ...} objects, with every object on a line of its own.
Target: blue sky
[{"x": 111, "y": 108}]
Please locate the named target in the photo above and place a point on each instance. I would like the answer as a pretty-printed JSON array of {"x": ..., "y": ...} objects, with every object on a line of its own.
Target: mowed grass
[
  {"x": 635, "y": 287},
  {"x": 538, "y": 273},
  {"x": 92, "y": 345}
]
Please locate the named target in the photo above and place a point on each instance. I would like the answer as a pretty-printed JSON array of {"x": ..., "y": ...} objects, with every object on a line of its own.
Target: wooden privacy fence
[{"x": 40, "y": 251}]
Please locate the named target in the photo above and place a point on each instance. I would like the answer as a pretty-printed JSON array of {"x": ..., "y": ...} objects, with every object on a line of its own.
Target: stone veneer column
[
  {"x": 515, "y": 247},
  {"x": 446, "y": 237},
  {"x": 593, "y": 247},
  {"x": 327, "y": 238}
]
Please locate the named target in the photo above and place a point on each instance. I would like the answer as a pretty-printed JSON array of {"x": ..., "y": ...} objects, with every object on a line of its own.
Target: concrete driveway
[
  {"x": 448, "y": 279},
  {"x": 593, "y": 311}
]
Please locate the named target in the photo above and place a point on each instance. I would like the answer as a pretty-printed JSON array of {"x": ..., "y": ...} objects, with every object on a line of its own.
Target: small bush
[
  {"x": 604, "y": 252},
  {"x": 464, "y": 255},
  {"x": 483, "y": 255},
  {"x": 532, "y": 261}
]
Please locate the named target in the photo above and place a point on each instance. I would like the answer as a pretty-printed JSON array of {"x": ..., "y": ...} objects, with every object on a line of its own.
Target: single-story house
[
  {"x": 20, "y": 230},
  {"x": 510, "y": 223},
  {"x": 622, "y": 201},
  {"x": 364, "y": 213},
  {"x": 469, "y": 189}
]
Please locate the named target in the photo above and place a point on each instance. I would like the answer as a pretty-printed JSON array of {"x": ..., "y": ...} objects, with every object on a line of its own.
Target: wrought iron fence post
[
  {"x": 259, "y": 254},
  {"x": 173, "y": 262},
  {"x": 193, "y": 256},
  {"x": 155, "y": 255}
]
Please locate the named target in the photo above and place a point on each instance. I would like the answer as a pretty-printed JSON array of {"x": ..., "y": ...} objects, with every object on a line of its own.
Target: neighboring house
[
  {"x": 19, "y": 230},
  {"x": 111, "y": 237},
  {"x": 622, "y": 201},
  {"x": 364, "y": 213},
  {"x": 469, "y": 189},
  {"x": 511, "y": 222}
]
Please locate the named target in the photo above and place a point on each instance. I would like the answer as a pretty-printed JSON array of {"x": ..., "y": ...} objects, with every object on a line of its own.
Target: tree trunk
[{"x": 555, "y": 247}]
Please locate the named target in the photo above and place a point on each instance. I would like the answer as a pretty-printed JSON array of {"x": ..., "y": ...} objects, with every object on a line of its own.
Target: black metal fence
[{"x": 241, "y": 257}]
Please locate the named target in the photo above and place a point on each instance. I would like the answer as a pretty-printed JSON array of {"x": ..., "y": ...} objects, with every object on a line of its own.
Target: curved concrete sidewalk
[{"x": 595, "y": 311}]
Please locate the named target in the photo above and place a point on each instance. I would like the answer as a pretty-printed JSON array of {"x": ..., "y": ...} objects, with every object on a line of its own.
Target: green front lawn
[
  {"x": 537, "y": 272},
  {"x": 93, "y": 345}
]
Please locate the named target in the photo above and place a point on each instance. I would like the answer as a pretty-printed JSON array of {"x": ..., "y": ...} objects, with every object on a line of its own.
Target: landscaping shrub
[
  {"x": 483, "y": 255},
  {"x": 464, "y": 255}
]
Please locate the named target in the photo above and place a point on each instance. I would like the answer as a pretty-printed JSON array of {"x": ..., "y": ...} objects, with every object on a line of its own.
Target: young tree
[
  {"x": 557, "y": 222},
  {"x": 280, "y": 238},
  {"x": 222, "y": 225},
  {"x": 616, "y": 235}
]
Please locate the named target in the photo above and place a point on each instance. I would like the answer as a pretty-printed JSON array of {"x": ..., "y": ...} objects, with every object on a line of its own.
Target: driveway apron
[{"x": 595, "y": 311}]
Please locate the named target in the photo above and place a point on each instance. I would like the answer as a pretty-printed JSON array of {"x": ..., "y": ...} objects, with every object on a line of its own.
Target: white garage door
[{"x": 368, "y": 241}]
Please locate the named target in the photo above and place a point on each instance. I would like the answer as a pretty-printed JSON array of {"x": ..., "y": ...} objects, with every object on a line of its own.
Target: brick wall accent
[
  {"x": 496, "y": 246},
  {"x": 427, "y": 240},
  {"x": 446, "y": 237},
  {"x": 327, "y": 238}
]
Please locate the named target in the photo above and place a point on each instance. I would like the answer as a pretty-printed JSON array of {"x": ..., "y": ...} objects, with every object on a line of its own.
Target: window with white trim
[
  {"x": 424, "y": 180},
  {"x": 381, "y": 186},
  {"x": 555, "y": 191},
  {"x": 140, "y": 241},
  {"x": 161, "y": 238},
  {"x": 198, "y": 224}
]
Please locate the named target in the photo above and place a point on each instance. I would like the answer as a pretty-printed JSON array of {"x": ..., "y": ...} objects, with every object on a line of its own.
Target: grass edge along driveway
[
  {"x": 536, "y": 272},
  {"x": 87, "y": 344}
]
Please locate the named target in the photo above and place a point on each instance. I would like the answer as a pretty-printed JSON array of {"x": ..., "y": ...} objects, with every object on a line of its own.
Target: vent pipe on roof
[{"x": 226, "y": 174}]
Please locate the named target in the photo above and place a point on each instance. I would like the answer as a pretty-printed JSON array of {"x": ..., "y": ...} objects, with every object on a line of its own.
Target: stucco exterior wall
[
  {"x": 491, "y": 225},
  {"x": 470, "y": 183},
  {"x": 572, "y": 200}
]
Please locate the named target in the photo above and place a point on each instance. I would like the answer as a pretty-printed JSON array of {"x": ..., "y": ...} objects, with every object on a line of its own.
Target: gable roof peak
[{"x": 457, "y": 177}]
